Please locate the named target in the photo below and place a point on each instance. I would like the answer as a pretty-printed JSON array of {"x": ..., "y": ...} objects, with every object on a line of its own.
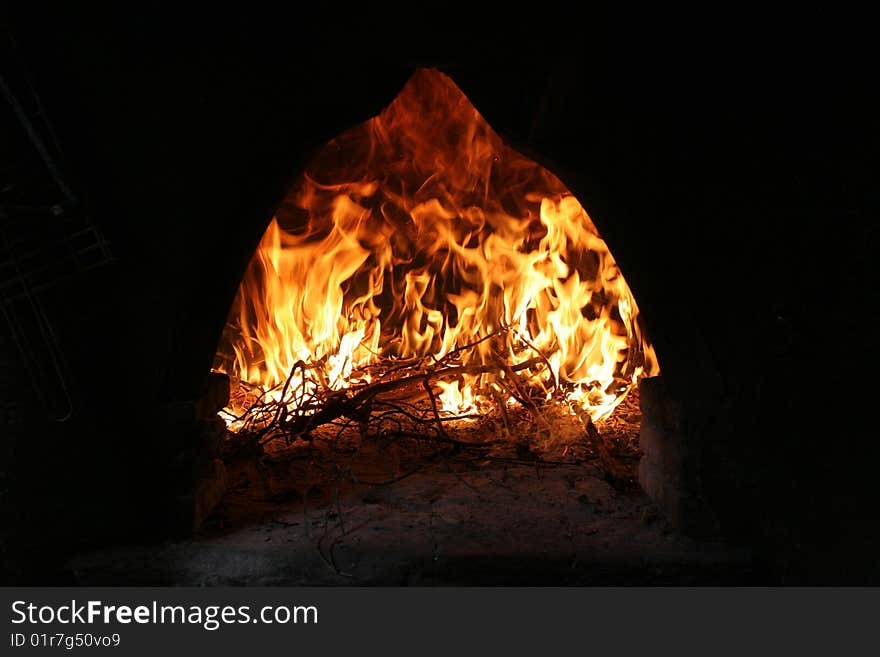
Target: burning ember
[{"x": 422, "y": 265}]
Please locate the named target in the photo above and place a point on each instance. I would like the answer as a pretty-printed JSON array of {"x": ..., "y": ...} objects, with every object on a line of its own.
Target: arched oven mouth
[{"x": 424, "y": 278}]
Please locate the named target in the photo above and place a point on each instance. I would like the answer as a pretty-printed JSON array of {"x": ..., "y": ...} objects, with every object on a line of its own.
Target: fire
[{"x": 421, "y": 235}]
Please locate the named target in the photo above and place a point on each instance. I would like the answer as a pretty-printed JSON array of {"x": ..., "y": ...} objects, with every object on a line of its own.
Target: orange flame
[{"x": 419, "y": 232}]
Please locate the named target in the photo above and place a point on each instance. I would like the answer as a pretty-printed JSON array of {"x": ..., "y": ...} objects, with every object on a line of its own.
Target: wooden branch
[{"x": 358, "y": 404}]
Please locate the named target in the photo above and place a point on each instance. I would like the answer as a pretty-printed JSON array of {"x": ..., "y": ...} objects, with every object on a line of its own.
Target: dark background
[{"x": 729, "y": 161}]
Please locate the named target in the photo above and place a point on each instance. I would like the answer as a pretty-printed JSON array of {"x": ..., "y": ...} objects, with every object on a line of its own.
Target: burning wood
[
  {"x": 407, "y": 389},
  {"x": 403, "y": 406}
]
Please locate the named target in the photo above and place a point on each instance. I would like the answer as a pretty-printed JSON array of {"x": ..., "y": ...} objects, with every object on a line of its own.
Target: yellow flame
[{"x": 420, "y": 232}]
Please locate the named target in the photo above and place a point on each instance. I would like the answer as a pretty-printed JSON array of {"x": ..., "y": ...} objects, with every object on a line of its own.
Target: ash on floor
[{"x": 396, "y": 513}]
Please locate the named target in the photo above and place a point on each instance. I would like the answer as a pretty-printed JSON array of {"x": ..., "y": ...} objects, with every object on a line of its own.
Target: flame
[{"x": 420, "y": 232}]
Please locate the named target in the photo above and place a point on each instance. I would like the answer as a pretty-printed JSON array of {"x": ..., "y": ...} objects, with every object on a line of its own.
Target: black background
[{"x": 729, "y": 160}]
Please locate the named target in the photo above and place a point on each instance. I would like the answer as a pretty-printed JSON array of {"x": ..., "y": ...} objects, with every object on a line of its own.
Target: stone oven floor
[{"x": 447, "y": 522}]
